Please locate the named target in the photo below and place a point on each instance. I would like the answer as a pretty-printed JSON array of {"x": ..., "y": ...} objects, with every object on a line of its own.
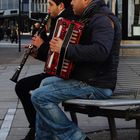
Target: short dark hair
[{"x": 65, "y": 2}]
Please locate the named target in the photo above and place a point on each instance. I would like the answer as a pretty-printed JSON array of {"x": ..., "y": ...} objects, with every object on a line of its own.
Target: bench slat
[{"x": 104, "y": 103}]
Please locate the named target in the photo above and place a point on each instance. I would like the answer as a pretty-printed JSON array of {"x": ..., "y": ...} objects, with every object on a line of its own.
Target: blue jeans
[{"x": 51, "y": 121}]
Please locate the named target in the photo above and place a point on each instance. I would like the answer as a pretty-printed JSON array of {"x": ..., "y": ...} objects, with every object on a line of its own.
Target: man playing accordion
[{"x": 94, "y": 75}]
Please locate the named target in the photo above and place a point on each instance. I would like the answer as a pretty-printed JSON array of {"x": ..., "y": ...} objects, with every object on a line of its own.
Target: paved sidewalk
[
  {"x": 13, "y": 123},
  {"x": 24, "y": 41}
]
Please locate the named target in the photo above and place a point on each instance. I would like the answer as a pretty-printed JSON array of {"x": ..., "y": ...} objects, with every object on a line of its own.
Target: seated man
[
  {"x": 57, "y": 8},
  {"x": 94, "y": 75}
]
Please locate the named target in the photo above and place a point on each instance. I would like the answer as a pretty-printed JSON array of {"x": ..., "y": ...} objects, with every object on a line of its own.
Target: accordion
[{"x": 70, "y": 32}]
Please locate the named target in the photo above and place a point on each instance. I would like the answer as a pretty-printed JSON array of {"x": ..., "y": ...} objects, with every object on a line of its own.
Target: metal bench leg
[
  {"x": 139, "y": 135},
  {"x": 112, "y": 127},
  {"x": 138, "y": 127},
  {"x": 74, "y": 117}
]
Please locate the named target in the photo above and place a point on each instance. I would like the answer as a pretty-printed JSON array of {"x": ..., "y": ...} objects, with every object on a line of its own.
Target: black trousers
[{"x": 22, "y": 88}]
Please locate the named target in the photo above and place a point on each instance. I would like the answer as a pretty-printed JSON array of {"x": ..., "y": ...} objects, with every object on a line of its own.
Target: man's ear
[
  {"x": 86, "y": 2},
  {"x": 61, "y": 6}
]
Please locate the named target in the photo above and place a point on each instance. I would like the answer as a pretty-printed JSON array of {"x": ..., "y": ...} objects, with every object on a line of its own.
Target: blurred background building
[{"x": 25, "y": 12}]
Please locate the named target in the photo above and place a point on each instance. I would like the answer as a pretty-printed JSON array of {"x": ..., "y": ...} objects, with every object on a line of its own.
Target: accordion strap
[{"x": 64, "y": 48}]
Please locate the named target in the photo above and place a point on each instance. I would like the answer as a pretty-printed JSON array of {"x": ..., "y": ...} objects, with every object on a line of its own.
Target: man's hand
[
  {"x": 56, "y": 44},
  {"x": 37, "y": 41}
]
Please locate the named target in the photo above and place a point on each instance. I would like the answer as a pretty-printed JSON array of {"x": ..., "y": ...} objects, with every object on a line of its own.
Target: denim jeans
[{"x": 51, "y": 121}]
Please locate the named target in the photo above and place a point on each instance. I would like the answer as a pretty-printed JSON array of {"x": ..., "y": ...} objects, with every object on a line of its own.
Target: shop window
[{"x": 133, "y": 18}]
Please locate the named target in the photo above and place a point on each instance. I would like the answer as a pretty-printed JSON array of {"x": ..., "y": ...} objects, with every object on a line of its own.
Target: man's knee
[
  {"x": 20, "y": 87},
  {"x": 35, "y": 97},
  {"x": 38, "y": 98}
]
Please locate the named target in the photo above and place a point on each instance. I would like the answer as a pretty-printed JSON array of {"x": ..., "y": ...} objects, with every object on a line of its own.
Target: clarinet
[{"x": 28, "y": 52}]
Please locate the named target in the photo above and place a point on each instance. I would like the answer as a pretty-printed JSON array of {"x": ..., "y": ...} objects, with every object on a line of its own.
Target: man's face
[
  {"x": 53, "y": 9},
  {"x": 77, "y": 6}
]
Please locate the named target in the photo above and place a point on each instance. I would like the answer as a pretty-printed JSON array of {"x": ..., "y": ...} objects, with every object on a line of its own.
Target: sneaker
[{"x": 30, "y": 135}]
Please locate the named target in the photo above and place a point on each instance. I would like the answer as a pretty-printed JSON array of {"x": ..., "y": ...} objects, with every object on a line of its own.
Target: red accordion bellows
[{"x": 53, "y": 60}]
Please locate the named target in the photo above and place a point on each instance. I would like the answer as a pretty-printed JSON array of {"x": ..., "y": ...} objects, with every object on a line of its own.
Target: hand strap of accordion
[{"x": 64, "y": 48}]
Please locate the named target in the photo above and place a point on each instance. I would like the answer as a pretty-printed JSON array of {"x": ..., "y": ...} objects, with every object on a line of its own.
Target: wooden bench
[{"x": 124, "y": 102}]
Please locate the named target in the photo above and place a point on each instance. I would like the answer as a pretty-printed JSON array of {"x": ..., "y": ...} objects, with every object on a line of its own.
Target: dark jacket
[
  {"x": 96, "y": 57},
  {"x": 43, "y": 50}
]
